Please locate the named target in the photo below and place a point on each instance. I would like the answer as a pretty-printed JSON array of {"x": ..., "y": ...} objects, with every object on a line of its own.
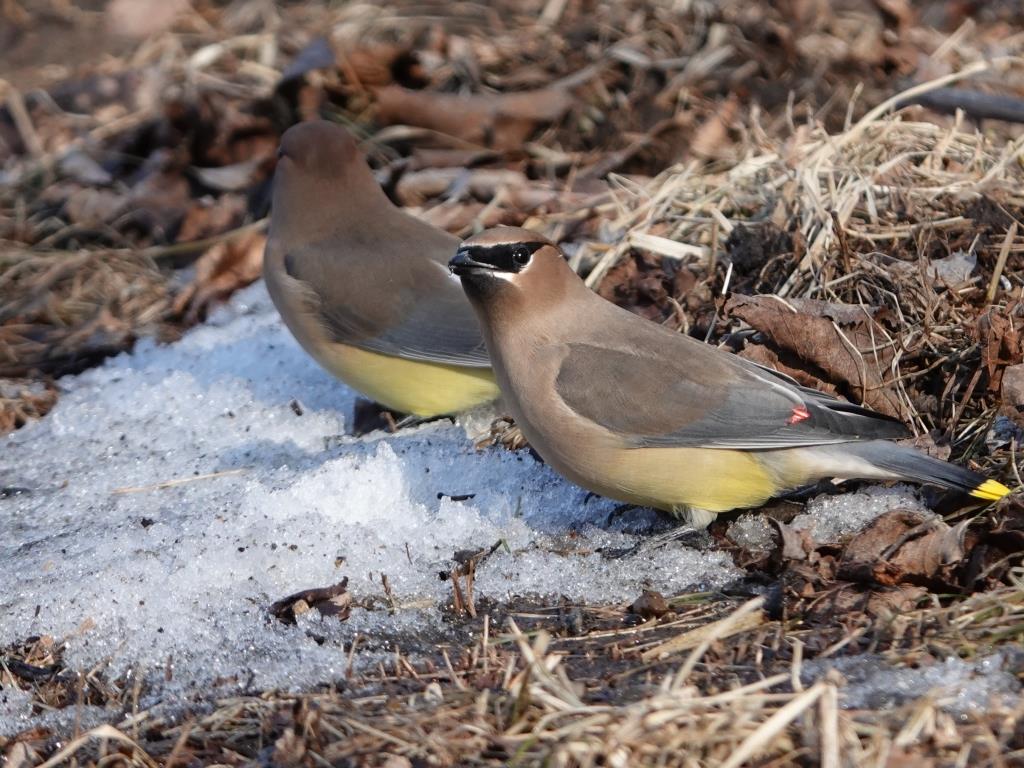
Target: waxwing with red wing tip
[{"x": 634, "y": 411}]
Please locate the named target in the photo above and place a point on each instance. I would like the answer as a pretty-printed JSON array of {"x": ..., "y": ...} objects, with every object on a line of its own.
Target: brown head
[
  {"x": 508, "y": 269},
  {"x": 321, "y": 180}
]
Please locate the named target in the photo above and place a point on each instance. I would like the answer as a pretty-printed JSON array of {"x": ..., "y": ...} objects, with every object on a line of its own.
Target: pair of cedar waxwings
[{"x": 614, "y": 402}]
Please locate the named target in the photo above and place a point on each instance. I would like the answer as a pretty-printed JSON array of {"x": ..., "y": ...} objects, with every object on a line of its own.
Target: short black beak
[{"x": 463, "y": 263}]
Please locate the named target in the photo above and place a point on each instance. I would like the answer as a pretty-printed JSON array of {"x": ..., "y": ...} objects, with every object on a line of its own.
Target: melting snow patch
[
  {"x": 175, "y": 492},
  {"x": 830, "y": 518},
  {"x": 752, "y": 532},
  {"x": 960, "y": 687}
]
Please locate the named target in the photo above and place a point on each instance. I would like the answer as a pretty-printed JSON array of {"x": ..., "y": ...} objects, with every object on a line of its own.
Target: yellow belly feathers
[{"x": 409, "y": 386}]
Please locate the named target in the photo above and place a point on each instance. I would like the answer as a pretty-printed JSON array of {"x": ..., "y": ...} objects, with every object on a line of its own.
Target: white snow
[
  {"x": 959, "y": 686},
  {"x": 753, "y": 532},
  {"x": 831, "y": 518},
  {"x": 175, "y": 581}
]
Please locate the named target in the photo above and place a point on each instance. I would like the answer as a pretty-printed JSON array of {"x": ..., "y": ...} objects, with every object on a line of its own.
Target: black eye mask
[{"x": 508, "y": 257}]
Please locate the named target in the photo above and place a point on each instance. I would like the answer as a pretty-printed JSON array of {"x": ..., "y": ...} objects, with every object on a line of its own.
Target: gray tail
[{"x": 903, "y": 463}]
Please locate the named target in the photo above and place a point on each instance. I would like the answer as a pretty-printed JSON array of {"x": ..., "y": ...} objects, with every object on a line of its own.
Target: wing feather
[
  {"x": 668, "y": 390},
  {"x": 409, "y": 308}
]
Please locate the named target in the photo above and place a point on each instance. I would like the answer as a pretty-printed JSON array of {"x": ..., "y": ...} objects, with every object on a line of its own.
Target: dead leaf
[
  {"x": 844, "y": 600},
  {"x": 796, "y": 545},
  {"x": 845, "y": 342},
  {"x": 329, "y": 601},
  {"x": 902, "y": 547},
  {"x": 891, "y": 602},
  {"x": 223, "y": 269},
  {"x": 502, "y": 121},
  {"x": 763, "y": 355},
  {"x": 158, "y": 202},
  {"x": 658, "y": 289}
]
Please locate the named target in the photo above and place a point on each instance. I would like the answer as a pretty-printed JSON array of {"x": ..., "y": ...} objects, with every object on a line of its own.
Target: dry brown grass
[{"x": 710, "y": 694}]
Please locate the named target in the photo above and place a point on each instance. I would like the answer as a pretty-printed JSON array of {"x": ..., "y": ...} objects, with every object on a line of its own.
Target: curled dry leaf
[
  {"x": 329, "y": 601},
  {"x": 796, "y": 545},
  {"x": 223, "y": 269},
  {"x": 502, "y": 121},
  {"x": 903, "y": 547},
  {"x": 844, "y": 342}
]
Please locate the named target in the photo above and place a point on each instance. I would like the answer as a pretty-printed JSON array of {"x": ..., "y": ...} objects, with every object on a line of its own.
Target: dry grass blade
[
  {"x": 760, "y": 739},
  {"x": 101, "y": 733},
  {"x": 747, "y": 616}
]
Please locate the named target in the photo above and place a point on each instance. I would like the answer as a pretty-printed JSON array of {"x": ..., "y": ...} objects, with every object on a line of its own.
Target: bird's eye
[{"x": 521, "y": 256}]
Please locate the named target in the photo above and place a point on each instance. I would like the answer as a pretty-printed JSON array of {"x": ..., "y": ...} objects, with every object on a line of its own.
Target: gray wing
[
  {"x": 669, "y": 390},
  {"x": 406, "y": 306}
]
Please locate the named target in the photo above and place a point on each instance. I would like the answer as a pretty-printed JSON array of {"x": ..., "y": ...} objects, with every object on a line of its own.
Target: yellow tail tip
[{"x": 990, "y": 490}]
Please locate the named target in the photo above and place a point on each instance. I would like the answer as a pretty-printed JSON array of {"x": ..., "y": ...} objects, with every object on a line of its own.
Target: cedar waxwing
[
  {"x": 637, "y": 412},
  {"x": 364, "y": 286}
]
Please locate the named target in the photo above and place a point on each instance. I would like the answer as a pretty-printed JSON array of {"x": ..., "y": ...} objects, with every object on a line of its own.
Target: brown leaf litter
[
  {"x": 501, "y": 121},
  {"x": 227, "y": 266},
  {"x": 846, "y": 343},
  {"x": 902, "y": 547}
]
